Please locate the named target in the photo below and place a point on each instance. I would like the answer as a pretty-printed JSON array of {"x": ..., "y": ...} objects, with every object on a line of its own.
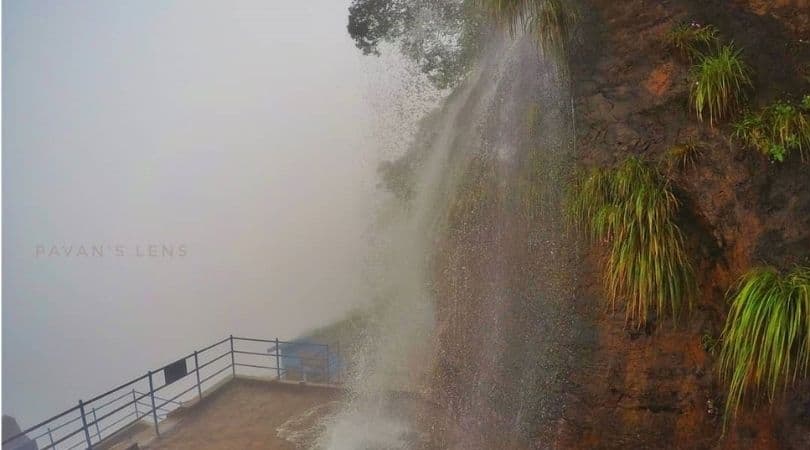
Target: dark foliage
[{"x": 440, "y": 36}]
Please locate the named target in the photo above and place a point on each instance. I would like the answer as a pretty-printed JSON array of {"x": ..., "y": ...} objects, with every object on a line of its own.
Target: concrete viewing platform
[
  {"x": 230, "y": 403},
  {"x": 241, "y": 413}
]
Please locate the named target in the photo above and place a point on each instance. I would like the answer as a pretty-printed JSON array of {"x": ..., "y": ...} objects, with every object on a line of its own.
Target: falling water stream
[{"x": 397, "y": 358}]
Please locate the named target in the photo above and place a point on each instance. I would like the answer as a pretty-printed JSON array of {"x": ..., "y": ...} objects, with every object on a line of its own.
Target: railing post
[
  {"x": 278, "y": 361},
  {"x": 197, "y": 369},
  {"x": 339, "y": 368},
  {"x": 233, "y": 359},
  {"x": 327, "y": 363},
  {"x": 84, "y": 425},
  {"x": 135, "y": 402},
  {"x": 95, "y": 420},
  {"x": 50, "y": 436},
  {"x": 154, "y": 408}
]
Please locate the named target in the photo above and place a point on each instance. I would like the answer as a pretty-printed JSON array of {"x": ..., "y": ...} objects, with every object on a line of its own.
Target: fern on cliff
[
  {"x": 632, "y": 208},
  {"x": 766, "y": 339}
]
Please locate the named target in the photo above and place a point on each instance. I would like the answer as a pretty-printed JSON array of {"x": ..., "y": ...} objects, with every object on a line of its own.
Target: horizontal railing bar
[
  {"x": 118, "y": 421},
  {"x": 257, "y": 367},
  {"x": 305, "y": 359},
  {"x": 66, "y": 437},
  {"x": 312, "y": 344},
  {"x": 138, "y": 419},
  {"x": 63, "y": 425},
  {"x": 172, "y": 400},
  {"x": 142, "y": 377},
  {"x": 241, "y": 352},
  {"x": 286, "y": 355},
  {"x": 215, "y": 359},
  {"x": 149, "y": 407},
  {"x": 130, "y": 423},
  {"x": 44, "y": 422},
  {"x": 213, "y": 345},
  {"x": 271, "y": 341},
  {"x": 215, "y": 374},
  {"x": 116, "y": 410},
  {"x": 125, "y": 394},
  {"x": 158, "y": 397}
]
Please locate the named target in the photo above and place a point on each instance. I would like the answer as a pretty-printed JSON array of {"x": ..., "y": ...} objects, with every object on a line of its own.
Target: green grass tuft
[
  {"x": 752, "y": 131},
  {"x": 718, "y": 83},
  {"x": 588, "y": 202},
  {"x": 692, "y": 40},
  {"x": 682, "y": 156},
  {"x": 776, "y": 131},
  {"x": 632, "y": 208},
  {"x": 766, "y": 339},
  {"x": 790, "y": 127}
]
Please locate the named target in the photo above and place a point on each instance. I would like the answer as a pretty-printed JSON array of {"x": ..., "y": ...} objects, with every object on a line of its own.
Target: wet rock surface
[
  {"x": 658, "y": 388},
  {"x": 527, "y": 355}
]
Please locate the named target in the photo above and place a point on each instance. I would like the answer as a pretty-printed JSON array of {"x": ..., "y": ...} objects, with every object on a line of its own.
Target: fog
[{"x": 216, "y": 162}]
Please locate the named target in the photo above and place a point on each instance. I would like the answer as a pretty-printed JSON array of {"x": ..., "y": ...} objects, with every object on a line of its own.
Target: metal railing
[{"x": 98, "y": 420}]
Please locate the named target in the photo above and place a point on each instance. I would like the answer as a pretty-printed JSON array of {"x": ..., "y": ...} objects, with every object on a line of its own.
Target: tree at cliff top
[{"x": 440, "y": 36}]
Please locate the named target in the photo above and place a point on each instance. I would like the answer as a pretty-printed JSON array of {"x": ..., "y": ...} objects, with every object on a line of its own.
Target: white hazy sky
[{"x": 240, "y": 129}]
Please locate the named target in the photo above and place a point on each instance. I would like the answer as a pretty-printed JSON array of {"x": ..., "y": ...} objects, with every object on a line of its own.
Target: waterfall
[{"x": 399, "y": 356}]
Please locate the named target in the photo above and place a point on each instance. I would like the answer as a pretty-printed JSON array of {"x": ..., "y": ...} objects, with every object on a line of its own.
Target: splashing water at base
[{"x": 361, "y": 426}]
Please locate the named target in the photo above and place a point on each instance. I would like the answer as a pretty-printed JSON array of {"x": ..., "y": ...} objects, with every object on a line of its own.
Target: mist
[{"x": 216, "y": 162}]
